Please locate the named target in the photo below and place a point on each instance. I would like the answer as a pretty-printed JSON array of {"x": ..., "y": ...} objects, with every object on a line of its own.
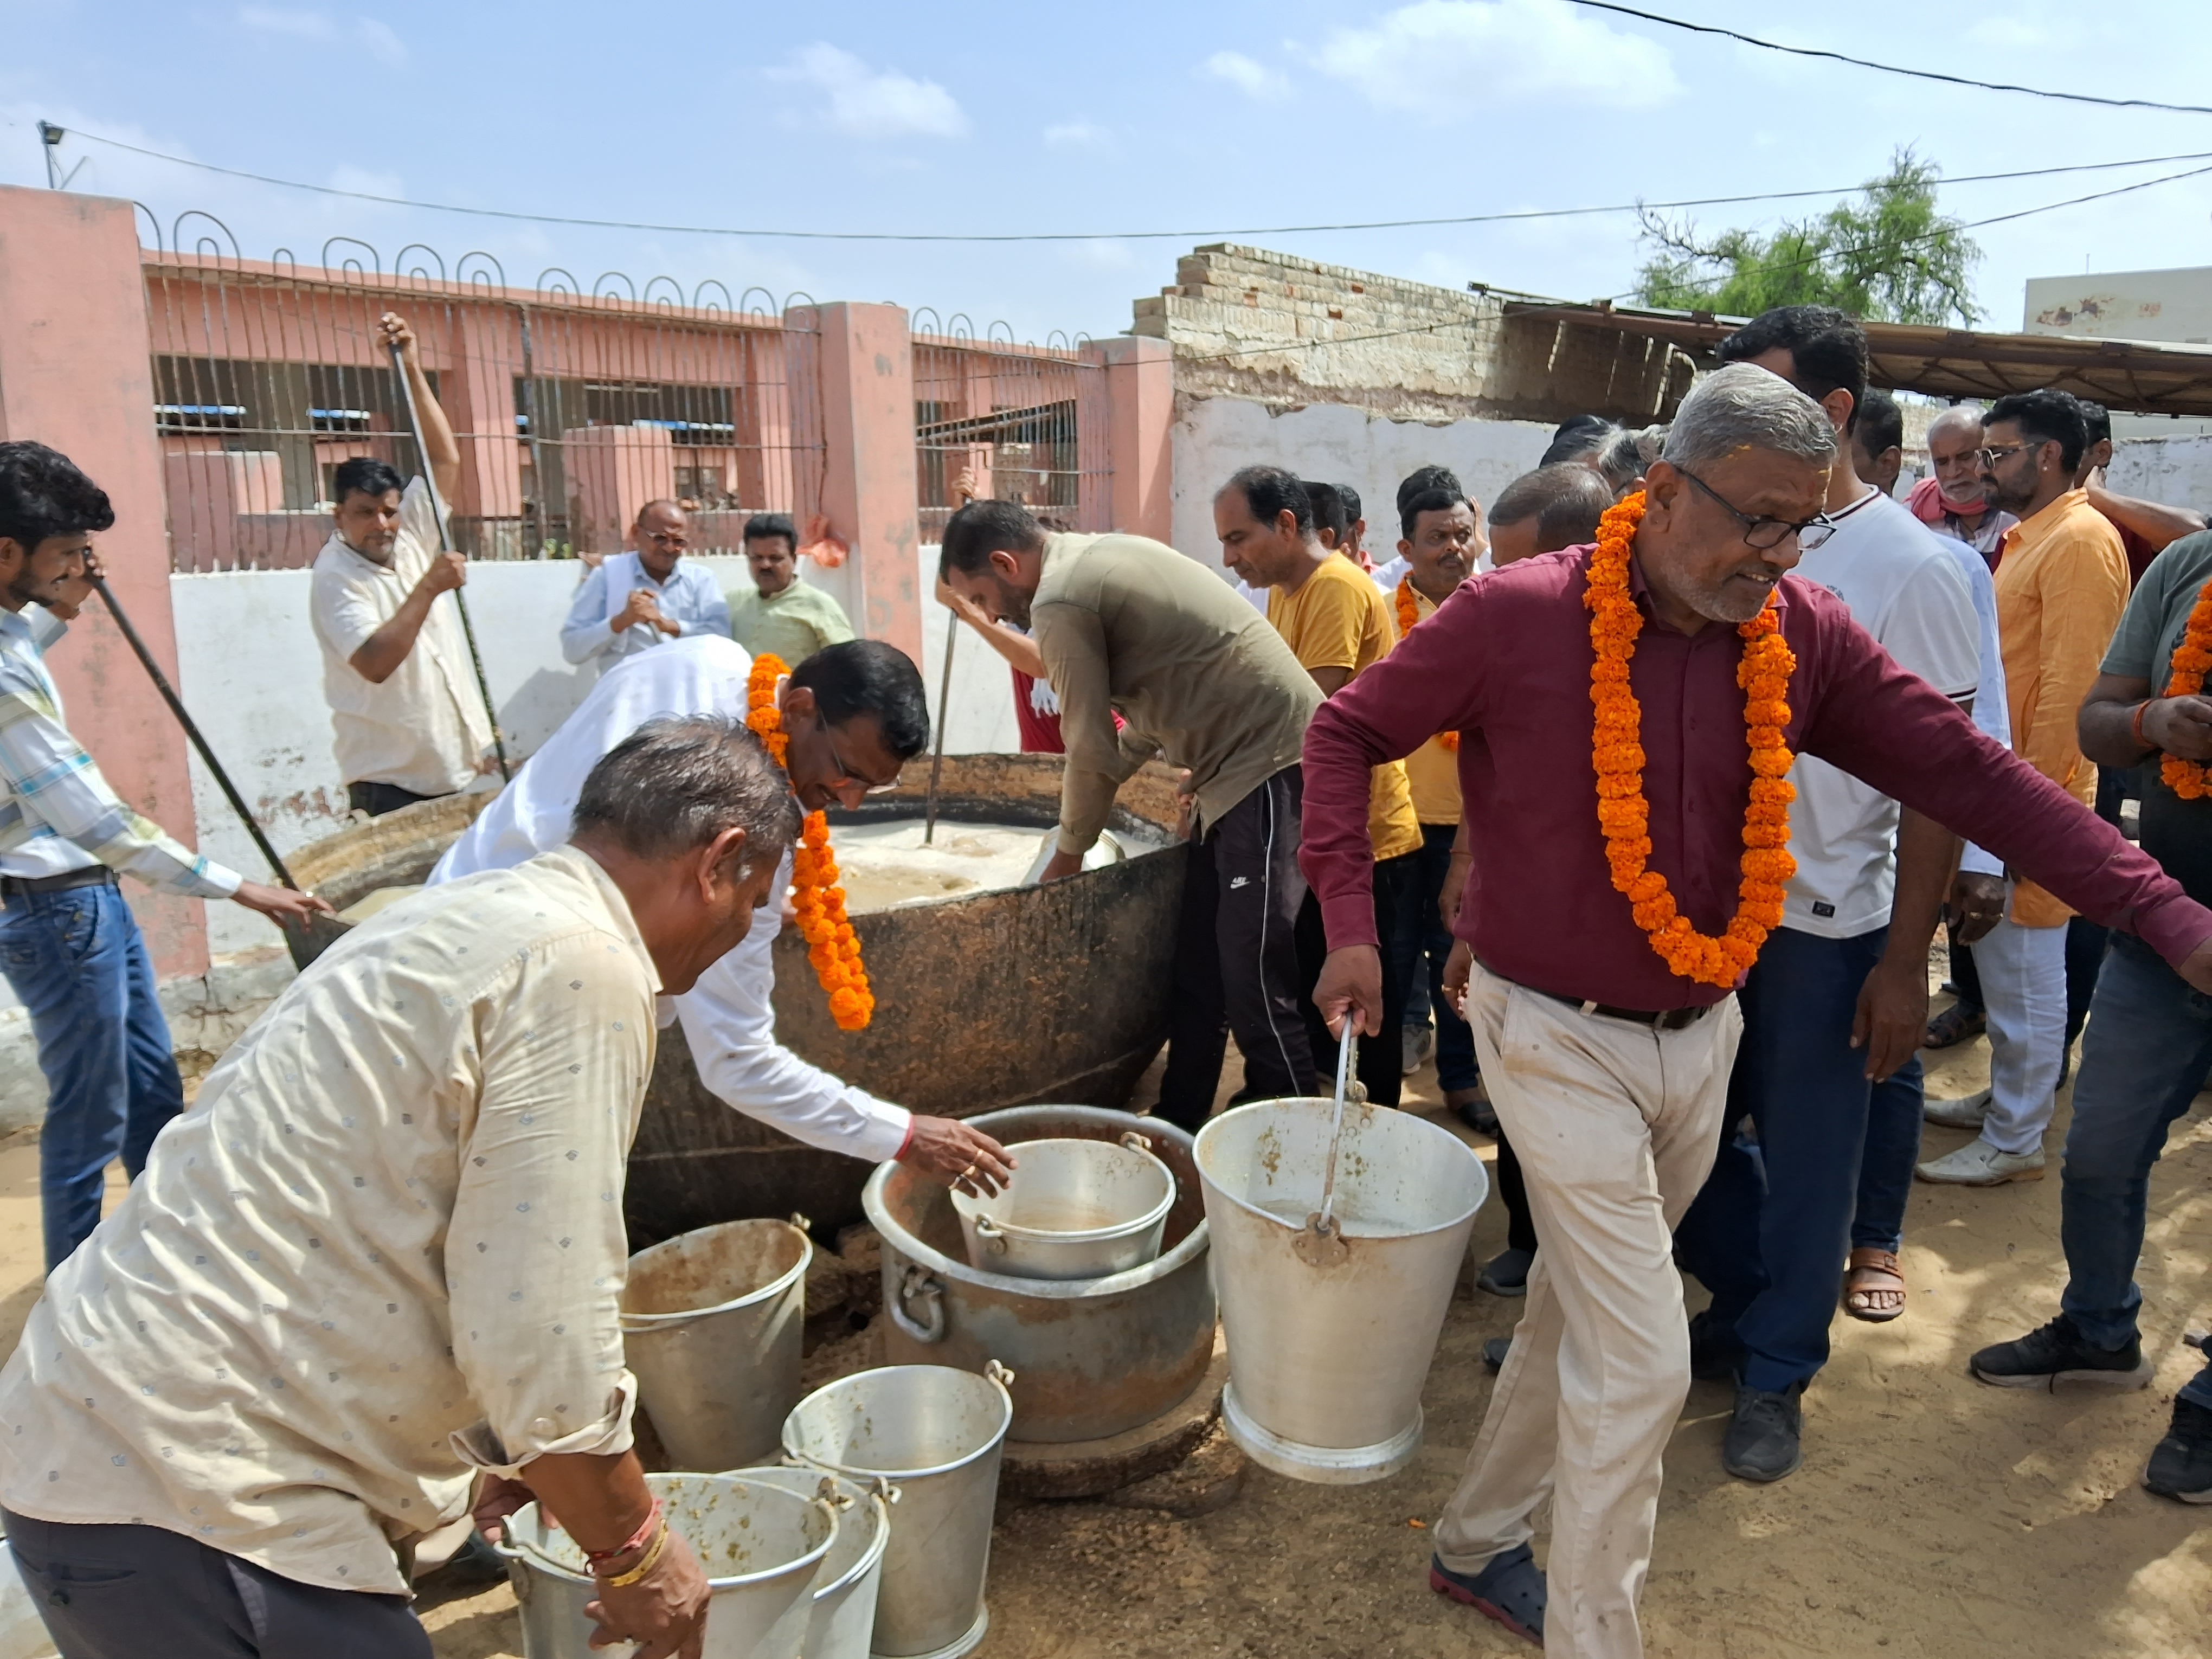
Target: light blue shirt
[{"x": 689, "y": 598}]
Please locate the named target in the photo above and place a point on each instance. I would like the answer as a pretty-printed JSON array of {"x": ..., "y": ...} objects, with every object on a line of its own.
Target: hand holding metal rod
[{"x": 444, "y": 542}]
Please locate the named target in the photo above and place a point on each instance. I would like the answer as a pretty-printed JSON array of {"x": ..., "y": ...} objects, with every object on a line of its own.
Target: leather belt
[
  {"x": 97, "y": 875},
  {"x": 1659, "y": 1019}
]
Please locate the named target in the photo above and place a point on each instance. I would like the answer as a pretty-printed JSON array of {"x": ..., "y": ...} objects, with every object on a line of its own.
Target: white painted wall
[
  {"x": 2175, "y": 470},
  {"x": 1338, "y": 444}
]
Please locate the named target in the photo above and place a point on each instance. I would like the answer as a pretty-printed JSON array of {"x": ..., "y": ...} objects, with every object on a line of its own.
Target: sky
[{"x": 1210, "y": 120}]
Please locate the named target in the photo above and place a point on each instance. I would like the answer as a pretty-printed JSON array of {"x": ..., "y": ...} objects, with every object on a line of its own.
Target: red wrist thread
[
  {"x": 2136, "y": 725},
  {"x": 637, "y": 1540}
]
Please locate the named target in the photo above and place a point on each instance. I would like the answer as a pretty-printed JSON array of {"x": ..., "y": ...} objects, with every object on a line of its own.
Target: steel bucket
[
  {"x": 711, "y": 1325},
  {"x": 1075, "y": 1209},
  {"x": 936, "y": 1434},
  {"x": 841, "y": 1615},
  {"x": 761, "y": 1545},
  {"x": 1091, "y": 1357},
  {"x": 1329, "y": 1347}
]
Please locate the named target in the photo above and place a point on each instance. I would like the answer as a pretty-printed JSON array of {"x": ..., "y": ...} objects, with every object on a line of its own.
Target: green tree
[{"x": 1886, "y": 256}]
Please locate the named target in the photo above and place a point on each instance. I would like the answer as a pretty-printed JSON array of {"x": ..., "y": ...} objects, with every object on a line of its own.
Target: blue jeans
[
  {"x": 78, "y": 964},
  {"x": 1769, "y": 1231},
  {"x": 1456, "y": 1066},
  {"x": 2143, "y": 1059}
]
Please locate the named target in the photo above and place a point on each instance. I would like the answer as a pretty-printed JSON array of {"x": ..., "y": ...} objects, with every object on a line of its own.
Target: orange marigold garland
[
  {"x": 1617, "y": 755},
  {"x": 832, "y": 946},
  {"x": 2185, "y": 679},
  {"x": 1409, "y": 612}
]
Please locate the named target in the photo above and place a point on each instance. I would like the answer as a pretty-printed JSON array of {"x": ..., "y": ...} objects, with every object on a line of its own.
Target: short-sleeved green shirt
[
  {"x": 793, "y": 624},
  {"x": 2177, "y": 833}
]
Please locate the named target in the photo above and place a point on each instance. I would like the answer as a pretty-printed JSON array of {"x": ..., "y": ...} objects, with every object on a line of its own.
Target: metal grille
[
  {"x": 1028, "y": 422},
  {"x": 572, "y": 408}
]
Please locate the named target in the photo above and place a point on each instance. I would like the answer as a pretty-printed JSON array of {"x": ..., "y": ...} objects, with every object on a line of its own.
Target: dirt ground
[{"x": 1933, "y": 1516}]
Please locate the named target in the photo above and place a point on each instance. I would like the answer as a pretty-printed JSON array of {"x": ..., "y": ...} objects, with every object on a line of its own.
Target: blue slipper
[{"x": 1509, "y": 1588}]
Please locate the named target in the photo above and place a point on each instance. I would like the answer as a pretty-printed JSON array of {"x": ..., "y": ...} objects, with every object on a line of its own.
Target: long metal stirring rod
[
  {"x": 944, "y": 720},
  {"x": 446, "y": 541}
]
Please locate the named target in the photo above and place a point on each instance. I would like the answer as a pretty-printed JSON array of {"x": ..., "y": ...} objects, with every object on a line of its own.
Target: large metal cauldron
[
  {"x": 1091, "y": 1357},
  {"x": 1056, "y": 992}
]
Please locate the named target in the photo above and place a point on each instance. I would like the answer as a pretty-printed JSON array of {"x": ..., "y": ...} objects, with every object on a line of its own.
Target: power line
[
  {"x": 1091, "y": 236},
  {"x": 1889, "y": 68}
]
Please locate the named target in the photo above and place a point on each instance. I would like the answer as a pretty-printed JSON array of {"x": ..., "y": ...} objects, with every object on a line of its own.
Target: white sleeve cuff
[{"x": 1975, "y": 862}]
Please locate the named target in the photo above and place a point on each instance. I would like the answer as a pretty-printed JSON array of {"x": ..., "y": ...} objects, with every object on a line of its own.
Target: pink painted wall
[
  {"x": 73, "y": 373},
  {"x": 870, "y": 483},
  {"x": 1140, "y": 401}
]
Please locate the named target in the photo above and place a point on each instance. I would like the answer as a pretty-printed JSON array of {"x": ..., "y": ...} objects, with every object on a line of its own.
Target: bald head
[
  {"x": 661, "y": 534},
  {"x": 1955, "y": 443}
]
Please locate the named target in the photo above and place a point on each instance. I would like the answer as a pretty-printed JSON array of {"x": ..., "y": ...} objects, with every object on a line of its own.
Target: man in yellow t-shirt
[{"x": 1337, "y": 623}]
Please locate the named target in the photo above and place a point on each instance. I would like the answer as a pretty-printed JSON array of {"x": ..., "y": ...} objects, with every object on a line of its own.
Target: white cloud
[
  {"x": 1078, "y": 135},
  {"x": 1487, "y": 51},
  {"x": 374, "y": 37},
  {"x": 1255, "y": 80},
  {"x": 867, "y": 103}
]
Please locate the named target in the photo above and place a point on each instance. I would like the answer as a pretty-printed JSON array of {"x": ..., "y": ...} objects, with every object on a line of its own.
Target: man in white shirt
[
  {"x": 385, "y": 1252},
  {"x": 637, "y": 600},
  {"x": 70, "y": 948},
  {"x": 1835, "y": 1007},
  {"x": 409, "y": 719},
  {"x": 856, "y": 714}
]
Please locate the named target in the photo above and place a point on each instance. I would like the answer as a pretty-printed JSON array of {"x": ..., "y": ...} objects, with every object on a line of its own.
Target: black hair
[
  {"x": 1828, "y": 350},
  {"x": 365, "y": 475},
  {"x": 1881, "y": 424},
  {"x": 678, "y": 781},
  {"x": 1328, "y": 509},
  {"x": 1269, "y": 492},
  {"x": 868, "y": 677},
  {"x": 1429, "y": 501},
  {"x": 1584, "y": 434},
  {"x": 2096, "y": 423},
  {"x": 43, "y": 495},
  {"x": 983, "y": 528},
  {"x": 1351, "y": 498},
  {"x": 763, "y": 525},
  {"x": 1423, "y": 479},
  {"x": 2044, "y": 417},
  {"x": 1567, "y": 500}
]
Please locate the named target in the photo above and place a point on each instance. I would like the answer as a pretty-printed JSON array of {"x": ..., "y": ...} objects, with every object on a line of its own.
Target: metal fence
[
  {"x": 572, "y": 407},
  {"x": 1026, "y": 423}
]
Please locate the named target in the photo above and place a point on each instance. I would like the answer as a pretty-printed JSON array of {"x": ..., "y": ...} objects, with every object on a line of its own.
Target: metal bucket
[
  {"x": 1092, "y": 1356},
  {"x": 1075, "y": 1209},
  {"x": 936, "y": 1434},
  {"x": 761, "y": 1546},
  {"x": 1329, "y": 1348},
  {"x": 711, "y": 1324},
  {"x": 840, "y": 1615}
]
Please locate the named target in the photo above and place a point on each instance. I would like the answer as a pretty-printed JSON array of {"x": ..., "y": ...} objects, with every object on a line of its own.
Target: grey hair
[
  {"x": 676, "y": 782},
  {"x": 1745, "y": 407},
  {"x": 1626, "y": 454}
]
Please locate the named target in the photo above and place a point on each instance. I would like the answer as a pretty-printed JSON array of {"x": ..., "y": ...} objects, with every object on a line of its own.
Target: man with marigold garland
[
  {"x": 1630, "y": 862},
  {"x": 2150, "y": 1038},
  {"x": 841, "y": 724}
]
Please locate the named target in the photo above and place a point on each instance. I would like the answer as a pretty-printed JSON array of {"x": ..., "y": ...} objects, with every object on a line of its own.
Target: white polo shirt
[{"x": 424, "y": 728}]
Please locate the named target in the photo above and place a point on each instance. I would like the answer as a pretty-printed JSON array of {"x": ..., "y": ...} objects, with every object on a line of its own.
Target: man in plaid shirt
[{"x": 69, "y": 945}]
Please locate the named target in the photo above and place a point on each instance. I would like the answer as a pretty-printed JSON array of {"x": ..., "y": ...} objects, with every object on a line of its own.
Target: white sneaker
[
  {"x": 1415, "y": 1044},
  {"x": 1965, "y": 1113},
  {"x": 1977, "y": 1163}
]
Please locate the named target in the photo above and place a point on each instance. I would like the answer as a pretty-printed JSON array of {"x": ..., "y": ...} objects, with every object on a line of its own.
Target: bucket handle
[
  {"x": 915, "y": 1282},
  {"x": 1137, "y": 1142},
  {"x": 999, "y": 1375},
  {"x": 801, "y": 1222},
  {"x": 987, "y": 1230}
]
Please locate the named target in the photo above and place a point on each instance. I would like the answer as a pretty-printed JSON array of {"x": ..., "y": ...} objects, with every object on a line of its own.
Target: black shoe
[
  {"x": 2181, "y": 1464},
  {"x": 2055, "y": 1353},
  {"x": 1764, "y": 1439},
  {"x": 1506, "y": 1273},
  {"x": 1714, "y": 1353},
  {"x": 1494, "y": 1352},
  {"x": 1509, "y": 1588}
]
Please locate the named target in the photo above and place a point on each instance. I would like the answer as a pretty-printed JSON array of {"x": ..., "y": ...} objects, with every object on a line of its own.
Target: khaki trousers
[{"x": 1616, "y": 1126}]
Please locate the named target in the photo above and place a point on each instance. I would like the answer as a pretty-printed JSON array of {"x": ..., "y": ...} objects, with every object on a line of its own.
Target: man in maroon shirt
[{"x": 1609, "y": 1070}]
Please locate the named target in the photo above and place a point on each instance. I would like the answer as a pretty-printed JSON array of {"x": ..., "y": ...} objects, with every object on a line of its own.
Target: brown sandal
[{"x": 1872, "y": 1272}]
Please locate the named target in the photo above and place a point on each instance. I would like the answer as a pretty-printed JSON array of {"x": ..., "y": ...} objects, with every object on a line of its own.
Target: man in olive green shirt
[
  {"x": 1131, "y": 626},
  {"x": 780, "y": 614}
]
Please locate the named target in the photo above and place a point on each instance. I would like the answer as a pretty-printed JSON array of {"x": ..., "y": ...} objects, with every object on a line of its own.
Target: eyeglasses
[
  {"x": 1991, "y": 456},
  {"x": 846, "y": 777},
  {"x": 1764, "y": 534}
]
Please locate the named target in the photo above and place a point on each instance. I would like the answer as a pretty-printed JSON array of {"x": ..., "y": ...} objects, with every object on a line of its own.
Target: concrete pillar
[
  {"x": 870, "y": 487},
  {"x": 1140, "y": 399},
  {"x": 75, "y": 373}
]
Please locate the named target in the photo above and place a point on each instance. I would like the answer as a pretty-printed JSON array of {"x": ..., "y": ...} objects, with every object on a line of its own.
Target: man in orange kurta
[{"x": 2062, "y": 582}]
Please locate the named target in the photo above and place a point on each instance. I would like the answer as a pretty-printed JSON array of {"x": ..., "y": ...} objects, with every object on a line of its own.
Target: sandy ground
[{"x": 1933, "y": 1516}]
